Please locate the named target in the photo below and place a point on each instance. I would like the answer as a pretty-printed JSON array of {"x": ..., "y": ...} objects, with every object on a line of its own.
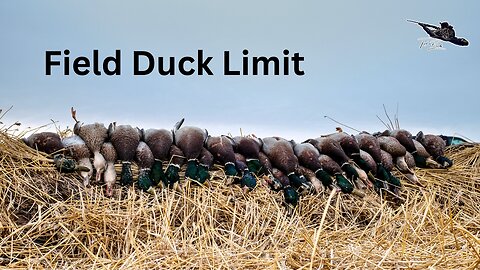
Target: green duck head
[
  {"x": 382, "y": 178},
  {"x": 64, "y": 164},
  {"x": 420, "y": 161},
  {"x": 157, "y": 174},
  {"x": 349, "y": 170},
  {"x": 324, "y": 177},
  {"x": 274, "y": 183},
  {"x": 254, "y": 165},
  {"x": 248, "y": 181},
  {"x": 444, "y": 161},
  {"x": 144, "y": 181},
  {"x": 382, "y": 172},
  {"x": 291, "y": 196},
  {"x": 361, "y": 163},
  {"x": 300, "y": 183},
  {"x": 343, "y": 183},
  {"x": 126, "y": 175},
  {"x": 192, "y": 168},
  {"x": 230, "y": 169},
  {"x": 202, "y": 174},
  {"x": 171, "y": 175},
  {"x": 394, "y": 181}
]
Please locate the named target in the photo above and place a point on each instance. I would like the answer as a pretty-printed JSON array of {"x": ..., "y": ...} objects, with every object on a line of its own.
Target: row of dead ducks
[{"x": 349, "y": 163}]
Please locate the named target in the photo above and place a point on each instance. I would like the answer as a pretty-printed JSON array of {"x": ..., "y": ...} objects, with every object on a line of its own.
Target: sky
[{"x": 358, "y": 56}]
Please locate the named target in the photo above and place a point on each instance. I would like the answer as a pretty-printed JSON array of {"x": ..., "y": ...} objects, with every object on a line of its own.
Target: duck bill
[
  {"x": 109, "y": 191},
  {"x": 86, "y": 181},
  {"x": 432, "y": 164}
]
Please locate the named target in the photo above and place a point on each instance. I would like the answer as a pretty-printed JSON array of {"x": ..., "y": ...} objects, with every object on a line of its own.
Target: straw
[{"x": 48, "y": 220}]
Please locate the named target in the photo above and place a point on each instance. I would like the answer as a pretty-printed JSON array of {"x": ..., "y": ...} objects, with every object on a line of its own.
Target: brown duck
[
  {"x": 281, "y": 154},
  {"x": 190, "y": 140},
  {"x": 94, "y": 136},
  {"x": 125, "y": 140},
  {"x": 159, "y": 141},
  {"x": 77, "y": 148},
  {"x": 110, "y": 175},
  {"x": 435, "y": 146},
  {"x": 145, "y": 160},
  {"x": 249, "y": 147},
  {"x": 221, "y": 148}
]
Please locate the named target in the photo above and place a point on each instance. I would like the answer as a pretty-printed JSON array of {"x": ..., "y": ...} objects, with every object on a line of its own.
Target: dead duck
[
  {"x": 435, "y": 146},
  {"x": 290, "y": 194},
  {"x": 51, "y": 144},
  {"x": 383, "y": 178},
  {"x": 145, "y": 160},
  {"x": 406, "y": 139},
  {"x": 205, "y": 161},
  {"x": 421, "y": 151},
  {"x": 221, "y": 148},
  {"x": 248, "y": 181},
  {"x": 392, "y": 183},
  {"x": 393, "y": 147},
  {"x": 249, "y": 147},
  {"x": 267, "y": 169},
  {"x": 159, "y": 141},
  {"x": 77, "y": 148},
  {"x": 333, "y": 149},
  {"x": 190, "y": 140},
  {"x": 311, "y": 177},
  {"x": 372, "y": 165},
  {"x": 308, "y": 156},
  {"x": 94, "y": 136},
  {"x": 332, "y": 168},
  {"x": 47, "y": 142},
  {"x": 349, "y": 145},
  {"x": 177, "y": 159},
  {"x": 280, "y": 153},
  {"x": 110, "y": 175},
  {"x": 125, "y": 140}
]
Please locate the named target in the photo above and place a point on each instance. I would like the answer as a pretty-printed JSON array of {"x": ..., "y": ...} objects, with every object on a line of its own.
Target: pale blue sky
[{"x": 358, "y": 56}]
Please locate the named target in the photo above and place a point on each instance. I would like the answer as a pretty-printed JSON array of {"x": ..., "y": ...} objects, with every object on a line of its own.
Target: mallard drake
[
  {"x": 290, "y": 195},
  {"x": 221, "y": 148},
  {"x": 333, "y": 149},
  {"x": 205, "y": 161},
  {"x": 176, "y": 161},
  {"x": 125, "y": 140},
  {"x": 421, "y": 151},
  {"x": 393, "y": 182},
  {"x": 145, "y": 160},
  {"x": 332, "y": 168},
  {"x": 280, "y": 153},
  {"x": 94, "y": 136},
  {"x": 312, "y": 177},
  {"x": 159, "y": 141},
  {"x": 369, "y": 144},
  {"x": 80, "y": 152},
  {"x": 47, "y": 142},
  {"x": 372, "y": 165},
  {"x": 406, "y": 139},
  {"x": 190, "y": 140},
  {"x": 351, "y": 148},
  {"x": 248, "y": 181},
  {"x": 393, "y": 147},
  {"x": 308, "y": 156},
  {"x": 110, "y": 175},
  {"x": 435, "y": 146},
  {"x": 267, "y": 170},
  {"x": 249, "y": 147}
]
